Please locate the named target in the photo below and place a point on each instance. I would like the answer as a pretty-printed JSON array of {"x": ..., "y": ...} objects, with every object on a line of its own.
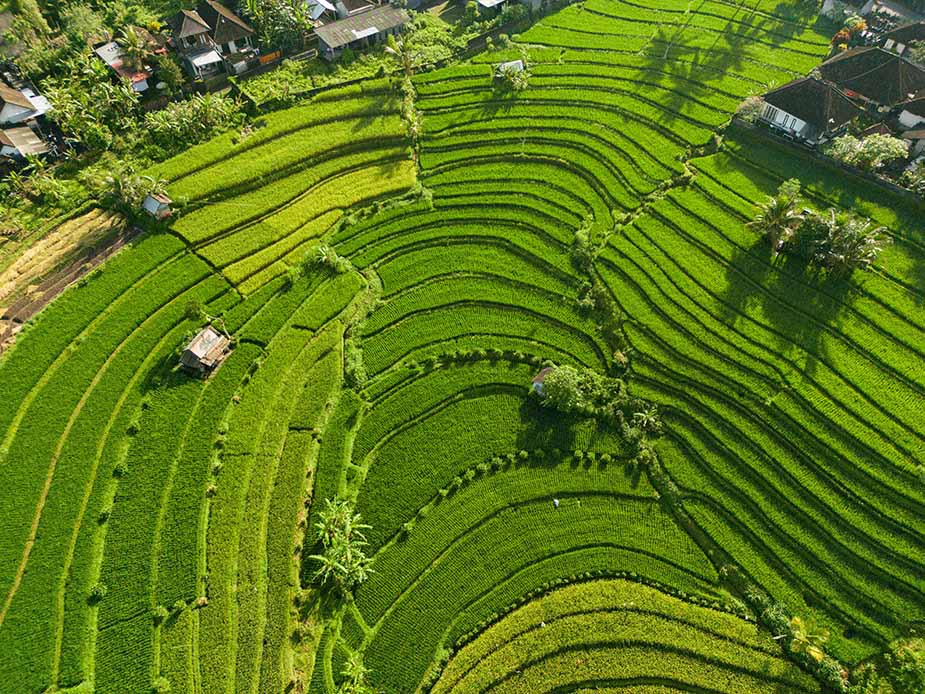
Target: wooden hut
[{"x": 206, "y": 351}]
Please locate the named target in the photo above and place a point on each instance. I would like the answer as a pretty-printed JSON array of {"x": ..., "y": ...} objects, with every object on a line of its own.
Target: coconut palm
[
  {"x": 779, "y": 216},
  {"x": 355, "y": 674},
  {"x": 850, "y": 243},
  {"x": 404, "y": 55},
  {"x": 647, "y": 419},
  {"x": 135, "y": 51}
]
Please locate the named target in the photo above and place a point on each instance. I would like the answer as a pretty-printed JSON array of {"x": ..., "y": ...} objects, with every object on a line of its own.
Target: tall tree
[{"x": 779, "y": 216}]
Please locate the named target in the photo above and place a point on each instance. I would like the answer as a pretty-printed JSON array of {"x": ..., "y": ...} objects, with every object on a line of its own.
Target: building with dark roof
[
  {"x": 212, "y": 37},
  {"x": 226, "y": 29},
  {"x": 348, "y": 8},
  {"x": 874, "y": 74},
  {"x": 808, "y": 108},
  {"x": 898, "y": 39},
  {"x": 360, "y": 30}
]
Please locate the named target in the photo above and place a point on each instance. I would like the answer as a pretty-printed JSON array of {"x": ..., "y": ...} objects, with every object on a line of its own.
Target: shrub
[
  {"x": 870, "y": 153},
  {"x": 750, "y": 109}
]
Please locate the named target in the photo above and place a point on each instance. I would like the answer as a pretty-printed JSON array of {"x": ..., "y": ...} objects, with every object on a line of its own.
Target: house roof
[
  {"x": 111, "y": 54},
  {"x": 915, "y": 106},
  {"x": 914, "y": 135},
  {"x": 24, "y": 140},
  {"x": 225, "y": 25},
  {"x": 907, "y": 33},
  {"x": 206, "y": 348},
  {"x": 188, "y": 23},
  {"x": 8, "y": 95},
  {"x": 316, "y": 8},
  {"x": 815, "y": 101},
  {"x": 875, "y": 74},
  {"x": 345, "y": 31},
  {"x": 876, "y": 129}
]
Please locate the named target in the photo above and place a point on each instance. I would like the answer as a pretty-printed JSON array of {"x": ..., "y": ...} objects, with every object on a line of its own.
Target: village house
[
  {"x": 20, "y": 105},
  {"x": 321, "y": 11},
  {"x": 206, "y": 351},
  {"x": 211, "y": 39},
  {"x": 810, "y": 109},
  {"x": 899, "y": 39},
  {"x": 874, "y": 75},
  {"x": 20, "y": 142},
  {"x": 111, "y": 54},
  {"x": 360, "y": 30}
]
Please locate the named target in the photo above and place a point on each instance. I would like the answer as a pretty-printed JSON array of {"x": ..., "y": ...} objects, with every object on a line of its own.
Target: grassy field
[{"x": 158, "y": 527}]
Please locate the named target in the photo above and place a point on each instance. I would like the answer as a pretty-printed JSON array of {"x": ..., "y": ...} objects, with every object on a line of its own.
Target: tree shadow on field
[
  {"x": 787, "y": 296},
  {"x": 559, "y": 435}
]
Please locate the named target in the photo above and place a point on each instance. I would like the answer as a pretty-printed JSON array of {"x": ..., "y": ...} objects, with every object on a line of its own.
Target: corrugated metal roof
[
  {"x": 24, "y": 140},
  {"x": 13, "y": 96},
  {"x": 345, "y": 31}
]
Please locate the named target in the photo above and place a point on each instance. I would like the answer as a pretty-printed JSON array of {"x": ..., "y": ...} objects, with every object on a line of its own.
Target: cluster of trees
[
  {"x": 587, "y": 393},
  {"x": 513, "y": 79},
  {"x": 343, "y": 563},
  {"x": 870, "y": 153},
  {"x": 901, "y": 669},
  {"x": 284, "y": 24},
  {"x": 834, "y": 240}
]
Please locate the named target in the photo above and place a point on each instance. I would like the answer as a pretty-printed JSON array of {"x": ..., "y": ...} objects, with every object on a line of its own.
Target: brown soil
[{"x": 53, "y": 263}]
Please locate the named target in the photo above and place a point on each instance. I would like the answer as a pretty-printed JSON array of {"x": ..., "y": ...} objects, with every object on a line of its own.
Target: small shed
[
  {"x": 20, "y": 142},
  {"x": 510, "y": 66},
  {"x": 206, "y": 351},
  {"x": 157, "y": 205},
  {"x": 540, "y": 379}
]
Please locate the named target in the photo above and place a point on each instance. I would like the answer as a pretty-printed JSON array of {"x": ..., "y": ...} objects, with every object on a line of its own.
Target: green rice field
[{"x": 159, "y": 528}]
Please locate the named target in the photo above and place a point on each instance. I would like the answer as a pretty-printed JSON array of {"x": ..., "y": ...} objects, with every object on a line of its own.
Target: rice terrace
[{"x": 563, "y": 365}]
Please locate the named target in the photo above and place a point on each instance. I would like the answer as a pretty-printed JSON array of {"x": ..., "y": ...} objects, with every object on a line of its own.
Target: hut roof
[{"x": 205, "y": 350}]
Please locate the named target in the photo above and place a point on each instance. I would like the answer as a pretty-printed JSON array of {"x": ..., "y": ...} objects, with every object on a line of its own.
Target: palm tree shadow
[{"x": 789, "y": 297}]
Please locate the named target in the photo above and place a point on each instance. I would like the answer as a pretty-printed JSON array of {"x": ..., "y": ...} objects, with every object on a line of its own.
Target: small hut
[
  {"x": 206, "y": 351},
  {"x": 510, "y": 66},
  {"x": 157, "y": 205},
  {"x": 539, "y": 380}
]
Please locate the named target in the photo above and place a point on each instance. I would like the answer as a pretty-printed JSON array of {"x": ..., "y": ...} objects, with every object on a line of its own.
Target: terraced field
[{"x": 159, "y": 528}]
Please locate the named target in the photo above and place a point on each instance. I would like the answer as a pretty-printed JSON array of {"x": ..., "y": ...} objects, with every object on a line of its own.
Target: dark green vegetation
[{"x": 157, "y": 531}]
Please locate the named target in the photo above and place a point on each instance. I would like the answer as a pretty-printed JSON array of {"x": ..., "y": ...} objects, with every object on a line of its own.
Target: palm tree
[
  {"x": 135, "y": 52},
  {"x": 807, "y": 638},
  {"x": 403, "y": 54},
  {"x": 647, "y": 419},
  {"x": 355, "y": 674},
  {"x": 851, "y": 242},
  {"x": 778, "y": 217},
  {"x": 340, "y": 531}
]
